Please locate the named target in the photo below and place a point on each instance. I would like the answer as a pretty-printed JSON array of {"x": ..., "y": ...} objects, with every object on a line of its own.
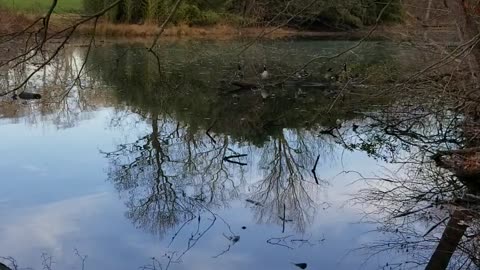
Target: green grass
[{"x": 40, "y": 6}]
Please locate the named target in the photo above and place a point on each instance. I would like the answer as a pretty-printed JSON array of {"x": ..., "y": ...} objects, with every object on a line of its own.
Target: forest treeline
[{"x": 334, "y": 14}]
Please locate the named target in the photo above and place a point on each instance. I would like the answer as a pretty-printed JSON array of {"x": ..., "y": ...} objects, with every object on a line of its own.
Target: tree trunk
[
  {"x": 427, "y": 18},
  {"x": 467, "y": 29},
  {"x": 448, "y": 243}
]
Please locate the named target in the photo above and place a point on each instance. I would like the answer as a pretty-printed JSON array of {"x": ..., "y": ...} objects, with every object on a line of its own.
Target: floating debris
[
  {"x": 283, "y": 219},
  {"x": 26, "y": 96},
  {"x": 253, "y": 202},
  {"x": 301, "y": 265},
  {"x": 229, "y": 159},
  {"x": 234, "y": 238}
]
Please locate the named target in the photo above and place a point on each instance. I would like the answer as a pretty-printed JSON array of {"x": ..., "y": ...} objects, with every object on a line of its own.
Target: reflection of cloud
[
  {"x": 232, "y": 261},
  {"x": 45, "y": 226},
  {"x": 33, "y": 168}
]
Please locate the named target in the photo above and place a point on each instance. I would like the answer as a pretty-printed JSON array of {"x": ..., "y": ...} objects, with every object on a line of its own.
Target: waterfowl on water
[
  {"x": 355, "y": 127},
  {"x": 336, "y": 76},
  {"x": 300, "y": 93},
  {"x": 301, "y": 74},
  {"x": 264, "y": 75},
  {"x": 343, "y": 74},
  {"x": 329, "y": 76},
  {"x": 264, "y": 93},
  {"x": 239, "y": 73}
]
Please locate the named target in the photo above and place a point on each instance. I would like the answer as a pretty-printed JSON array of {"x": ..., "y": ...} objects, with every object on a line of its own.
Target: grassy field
[{"x": 40, "y": 6}]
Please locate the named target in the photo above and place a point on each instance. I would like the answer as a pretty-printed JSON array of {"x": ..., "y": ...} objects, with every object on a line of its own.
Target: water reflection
[
  {"x": 200, "y": 149},
  {"x": 203, "y": 143},
  {"x": 192, "y": 89},
  {"x": 198, "y": 132},
  {"x": 67, "y": 99},
  {"x": 430, "y": 205},
  {"x": 169, "y": 175},
  {"x": 285, "y": 190},
  {"x": 173, "y": 174}
]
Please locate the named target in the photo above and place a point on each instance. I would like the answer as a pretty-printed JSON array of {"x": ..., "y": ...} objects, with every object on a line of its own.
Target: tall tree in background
[{"x": 333, "y": 14}]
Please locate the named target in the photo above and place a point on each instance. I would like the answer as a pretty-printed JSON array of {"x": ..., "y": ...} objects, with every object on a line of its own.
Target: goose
[
  {"x": 239, "y": 72},
  {"x": 343, "y": 74},
  {"x": 301, "y": 74},
  {"x": 264, "y": 93},
  {"x": 355, "y": 127},
  {"x": 329, "y": 76},
  {"x": 264, "y": 75},
  {"x": 300, "y": 93}
]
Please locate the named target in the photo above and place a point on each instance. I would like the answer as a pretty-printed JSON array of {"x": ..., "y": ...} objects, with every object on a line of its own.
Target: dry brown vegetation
[
  {"x": 11, "y": 21},
  {"x": 148, "y": 30}
]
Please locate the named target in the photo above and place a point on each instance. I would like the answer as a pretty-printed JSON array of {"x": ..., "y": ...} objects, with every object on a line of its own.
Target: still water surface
[{"x": 131, "y": 166}]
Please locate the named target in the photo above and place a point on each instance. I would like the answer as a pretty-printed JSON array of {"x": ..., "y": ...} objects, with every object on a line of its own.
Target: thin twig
[{"x": 164, "y": 24}]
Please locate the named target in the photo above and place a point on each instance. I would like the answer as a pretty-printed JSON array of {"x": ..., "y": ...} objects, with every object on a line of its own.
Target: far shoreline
[
  {"x": 226, "y": 32},
  {"x": 12, "y": 22}
]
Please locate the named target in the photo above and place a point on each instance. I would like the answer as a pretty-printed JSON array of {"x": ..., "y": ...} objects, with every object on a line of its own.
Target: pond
[{"x": 157, "y": 162}]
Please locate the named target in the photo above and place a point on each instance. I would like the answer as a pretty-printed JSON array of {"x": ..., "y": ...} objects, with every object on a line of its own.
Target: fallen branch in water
[
  {"x": 235, "y": 156},
  {"x": 252, "y": 85},
  {"x": 233, "y": 240},
  {"x": 254, "y": 202},
  {"x": 236, "y": 162},
  {"x": 277, "y": 241},
  {"x": 245, "y": 85},
  {"x": 290, "y": 243},
  {"x": 229, "y": 159},
  {"x": 314, "y": 169},
  {"x": 208, "y": 132}
]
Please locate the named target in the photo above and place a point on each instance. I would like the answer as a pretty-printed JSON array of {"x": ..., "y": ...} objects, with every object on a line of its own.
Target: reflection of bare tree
[
  {"x": 53, "y": 82},
  {"x": 284, "y": 194},
  {"x": 423, "y": 212},
  {"x": 170, "y": 175},
  {"x": 173, "y": 173},
  {"x": 158, "y": 199},
  {"x": 429, "y": 209}
]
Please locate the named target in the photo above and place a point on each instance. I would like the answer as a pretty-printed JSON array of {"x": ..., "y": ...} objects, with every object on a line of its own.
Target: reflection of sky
[{"x": 55, "y": 198}]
